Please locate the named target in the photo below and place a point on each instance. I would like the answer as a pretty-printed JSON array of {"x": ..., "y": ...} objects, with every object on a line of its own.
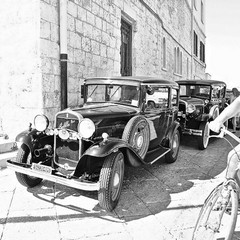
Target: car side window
[
  {"x": 174, "y": 97},
  {"x": 217, "y": 91},
  {"x": 158, "y": 98}
]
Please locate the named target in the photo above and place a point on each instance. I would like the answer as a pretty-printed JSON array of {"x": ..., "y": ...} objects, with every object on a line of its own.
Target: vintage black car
[
  {"x": 200, "y": 102},
  {"x": 120, "y": 123}
]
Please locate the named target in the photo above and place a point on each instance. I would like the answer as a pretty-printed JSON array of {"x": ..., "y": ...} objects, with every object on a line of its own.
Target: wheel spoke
[{"x": 215, "y": 220}]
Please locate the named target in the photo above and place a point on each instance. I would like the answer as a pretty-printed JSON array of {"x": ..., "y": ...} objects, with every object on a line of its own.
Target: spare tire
[{"x": 137, "y": 134}]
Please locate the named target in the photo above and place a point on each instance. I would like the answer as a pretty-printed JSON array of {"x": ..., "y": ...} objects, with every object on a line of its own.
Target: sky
[{"x": 223, "y": 41}]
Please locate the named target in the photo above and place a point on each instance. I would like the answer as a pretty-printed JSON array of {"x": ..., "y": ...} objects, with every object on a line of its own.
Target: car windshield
[
  {"x": 201, "y": 91},
  {"x": 123, "y": 94}
]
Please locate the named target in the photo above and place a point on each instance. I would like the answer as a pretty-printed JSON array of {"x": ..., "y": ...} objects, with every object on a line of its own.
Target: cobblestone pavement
[{"x": 160, "y": 201}]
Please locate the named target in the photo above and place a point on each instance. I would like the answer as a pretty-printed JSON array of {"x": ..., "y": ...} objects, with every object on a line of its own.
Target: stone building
[{"x": 49, "y": 46}]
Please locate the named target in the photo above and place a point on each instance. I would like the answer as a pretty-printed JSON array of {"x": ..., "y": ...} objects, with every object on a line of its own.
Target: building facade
[{"x": 49, "y": 46}]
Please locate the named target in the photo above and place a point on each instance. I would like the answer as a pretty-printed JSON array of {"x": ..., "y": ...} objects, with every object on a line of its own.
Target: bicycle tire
[{"x": 205, "y": 228}]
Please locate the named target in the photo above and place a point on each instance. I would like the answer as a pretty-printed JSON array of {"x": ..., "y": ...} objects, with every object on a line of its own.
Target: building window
[
  {"x": 126, "y": 48},
  {"x": 177, "y": 61},
  {"x": 202, "y": 12},
  {"x": 202, "y": 52},
  {"x": 164, "y": 53},
  {"x": 195, "y": 44},
  {"x": 195, "y": 4},
  {"x": 187, "y": 68}
]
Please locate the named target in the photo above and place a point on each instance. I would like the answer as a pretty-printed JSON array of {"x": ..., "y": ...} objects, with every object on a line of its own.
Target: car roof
[
  {"x": 141, "y": 79},
  {"x": 200, "y": 81}
]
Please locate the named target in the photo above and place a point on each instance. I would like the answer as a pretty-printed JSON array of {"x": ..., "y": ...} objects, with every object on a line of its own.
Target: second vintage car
[
  {"x": 123, "y": 121},
  {"x": 200, "y": 102}
]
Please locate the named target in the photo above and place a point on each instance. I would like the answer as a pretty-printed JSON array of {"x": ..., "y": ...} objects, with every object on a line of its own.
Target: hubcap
[
  {"x": 116, "y": 180},
  {"x": 139, "y": 141},
  {"x": 206, "y": 135},
  {"x": 175, "y": 144},
  {"x": 117, "y": 175}
]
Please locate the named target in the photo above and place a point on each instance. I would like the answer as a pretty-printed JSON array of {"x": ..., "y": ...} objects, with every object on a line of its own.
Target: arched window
[
  {"x": 164, "y": 53},
  {"x": 195, "y": 4},
  {"x": 177, "y": 61}
]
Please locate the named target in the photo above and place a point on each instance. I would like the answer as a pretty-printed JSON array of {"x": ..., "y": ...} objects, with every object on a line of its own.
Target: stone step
[
  {"x": 7, "y": 156},
  {"x": 7, "y": 145}
]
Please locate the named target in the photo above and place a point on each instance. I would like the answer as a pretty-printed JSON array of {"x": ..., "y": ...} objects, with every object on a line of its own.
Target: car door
[{"x": 158, "y": 113}]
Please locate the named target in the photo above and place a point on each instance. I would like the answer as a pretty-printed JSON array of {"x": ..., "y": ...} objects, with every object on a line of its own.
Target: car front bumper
[
  {"x": 195, "y": 132},
  {"x": 70, "y": 182}
]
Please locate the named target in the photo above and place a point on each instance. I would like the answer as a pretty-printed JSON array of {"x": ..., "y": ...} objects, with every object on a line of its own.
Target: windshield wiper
[
  {"x": 114, "y": 92},
  {"x": 93, "y": 91}
]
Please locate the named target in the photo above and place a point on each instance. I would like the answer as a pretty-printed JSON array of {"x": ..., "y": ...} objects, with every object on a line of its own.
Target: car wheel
[
  {"x": 204, "y": 139},
  {"x": 24, "y": 156},
  {"x": 137, "y": 134},
  {"x": 214, "y": 112},
  {"x": 174, "y": 146},
  {"x": 110, "y": 180}
]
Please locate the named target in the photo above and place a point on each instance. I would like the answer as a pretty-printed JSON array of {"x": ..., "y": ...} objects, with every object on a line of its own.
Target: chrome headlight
[
  {"x": 63, "y": 134},
  {"x": 86, "y": 128},
  {"x": 41, "y": 122},
  {"x": 190, "y": 108}
]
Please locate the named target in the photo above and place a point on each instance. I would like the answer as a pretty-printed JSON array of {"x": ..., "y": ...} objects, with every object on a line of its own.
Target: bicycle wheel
[{"x": 218, "y": 216}]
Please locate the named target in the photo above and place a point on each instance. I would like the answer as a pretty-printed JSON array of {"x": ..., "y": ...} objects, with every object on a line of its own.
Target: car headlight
[
  {"x": 190, "y": 108},
  {"x": 41, "y": 122},
  {"x": 86, "y": 128}
]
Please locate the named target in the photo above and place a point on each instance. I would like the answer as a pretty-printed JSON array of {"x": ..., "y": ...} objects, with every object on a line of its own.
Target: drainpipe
[
  {"x": 192, "y": 44},
  {"x": 63, "y": 53}
]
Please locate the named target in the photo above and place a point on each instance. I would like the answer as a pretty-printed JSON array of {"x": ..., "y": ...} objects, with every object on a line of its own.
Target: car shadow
[{"x": 148, "y": 189}]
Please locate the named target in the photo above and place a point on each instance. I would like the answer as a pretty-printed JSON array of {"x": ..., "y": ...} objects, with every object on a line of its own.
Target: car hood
[
  {"x": 106, "y": 110},
  {"x": 194, "y": 101}
]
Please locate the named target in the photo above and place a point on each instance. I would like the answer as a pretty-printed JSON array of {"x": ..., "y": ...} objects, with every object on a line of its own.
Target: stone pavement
[{"x": 160, "y": 201}]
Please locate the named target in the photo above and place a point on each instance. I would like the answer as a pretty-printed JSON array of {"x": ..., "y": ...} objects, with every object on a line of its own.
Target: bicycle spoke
[{"x": 218, "y": 216}]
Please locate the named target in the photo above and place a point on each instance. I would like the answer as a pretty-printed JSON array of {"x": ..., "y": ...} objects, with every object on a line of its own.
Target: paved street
[{"x": 160, "y": 201}]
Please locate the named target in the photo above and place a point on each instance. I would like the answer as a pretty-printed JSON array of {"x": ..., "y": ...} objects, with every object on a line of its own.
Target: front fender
[
  {"x": 105, "y": 148},
  {"x": 26, "y": 137},
  {"x": 33, "y": 138},
  {"x": 175, "y": 127},
  {"x": 214, "y": 112}
]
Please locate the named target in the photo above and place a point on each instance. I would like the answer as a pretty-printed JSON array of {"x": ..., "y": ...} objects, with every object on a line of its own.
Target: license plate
[{"x": 41, "y": 168}]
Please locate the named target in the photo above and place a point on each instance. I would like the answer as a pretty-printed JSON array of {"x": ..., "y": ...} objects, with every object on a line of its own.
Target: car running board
[{"x": 156, "y": 154}]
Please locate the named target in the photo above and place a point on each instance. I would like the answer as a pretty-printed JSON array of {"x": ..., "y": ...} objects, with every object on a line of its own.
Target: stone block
[
  {"x": 49, "y": 12},
  {"x": 82, "y": 14},
  {"x": 86, "y": 44},
  {"x": 90, "y": 18},
  {"x": 45, "y": 31},
  {"x": 87, "y": 30},
  {"x": 71, "y": 23},
  {"x": 72, "y": 9}
]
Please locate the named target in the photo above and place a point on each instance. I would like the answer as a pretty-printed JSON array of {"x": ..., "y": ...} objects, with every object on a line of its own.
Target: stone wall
[
  {"x": 20, "y": 78},
  {"x": 30, "y": 62},
  {"x": 50, "y": 56}
]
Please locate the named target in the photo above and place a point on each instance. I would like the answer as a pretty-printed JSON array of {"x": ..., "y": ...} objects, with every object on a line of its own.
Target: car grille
[
  {"x": 67, "y": 152},
  {"x": 67, "y": 121}
]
